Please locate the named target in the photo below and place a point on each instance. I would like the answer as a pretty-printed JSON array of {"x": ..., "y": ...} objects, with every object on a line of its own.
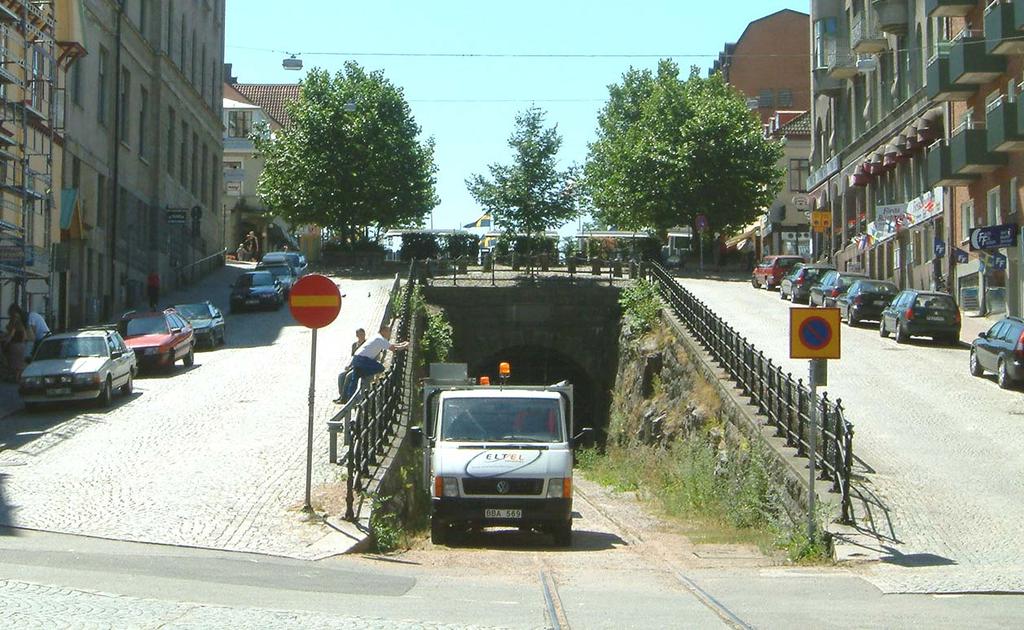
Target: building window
[
  {"x": 170, "y": 29},
  {"x": 239, "y": 123},
  {"x": 75, "y": 82},
  {"x": 101, "y": 82},
  {"x": 824, "y": 41},
  {"x": 993, "y": 199},
  {"x": 142, "y": 17},
  {"x": 1014, "y": 203},
  {"x": 125, "y": 100},
  {"x": 766, "y": 99},
  {"x": 202, "y": 72},
  {"x": 785, "y": 98},
  {"x": 143, "y": 120},
  {"x": 171, "y": 128},
  {"x": 183, "y": 154},
  {"x": 181, "y": 52},
  {"x": 203, "y": 189},
  {"x": 966, "y": 219},
  {"x": 192, "y": 62},
  {"x": 799, "y": 172},
  {"x": 101, "y": 200},
  {"x": 193, "y": 178}
]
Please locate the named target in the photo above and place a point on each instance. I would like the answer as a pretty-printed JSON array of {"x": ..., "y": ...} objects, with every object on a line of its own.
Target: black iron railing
[
  {"x": 784, "y": 401},
  {"x": 371, "y": 418},
  {"x": 504, "y": 270}
]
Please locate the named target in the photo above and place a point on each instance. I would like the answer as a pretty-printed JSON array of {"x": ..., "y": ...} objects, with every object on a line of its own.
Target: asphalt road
[{"x": 942, "y": 450}]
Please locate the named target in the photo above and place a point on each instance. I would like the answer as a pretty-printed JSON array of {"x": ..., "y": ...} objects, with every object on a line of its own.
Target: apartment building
[
  {"x": 785, "y": 227},
  {"x": 769, "y": 64},
  {"x": 143, "y": 144},
  {"x": 914, "y": 140}
]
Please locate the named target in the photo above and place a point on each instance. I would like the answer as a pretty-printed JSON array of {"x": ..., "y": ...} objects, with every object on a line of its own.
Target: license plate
[
  {"x": 503, "y": 514},
  {"x": 252, "y": 301},
  {"x": 58, "y": 391},
  {"x": 936, "y": 318}
]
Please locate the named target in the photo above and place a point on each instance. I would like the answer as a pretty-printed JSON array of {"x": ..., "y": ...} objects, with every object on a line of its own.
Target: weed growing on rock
[{"x": 641, "y": 306}]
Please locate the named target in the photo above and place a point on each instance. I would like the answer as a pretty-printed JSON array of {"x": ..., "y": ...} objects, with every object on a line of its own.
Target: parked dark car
[
  {"x": 915, "y": 313},
  {"x": 769, "y": 272},
  {"x": 1000, "y": 350},
  {"x": 294, "y": 259},
  {"x": 797, "y": 285},
  {"x": 832, "y": 285},
  {"x": 158, "y": 338},
  {"x": 207, "y": 322},
  {"x": 865, "y": 300},
  {"x": 283, "y": 272},
  {"x": 256, "y": 289}
]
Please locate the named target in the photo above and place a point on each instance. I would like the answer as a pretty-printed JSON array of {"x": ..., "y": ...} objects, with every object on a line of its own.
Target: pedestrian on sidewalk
[
  {"x": 39, "y": 328},
  {"x": 360, "y": 340},
  {"x": 15, "y": 339},
  {"x": 365, "y": 361},
  {"x": 153, "y": 289}
]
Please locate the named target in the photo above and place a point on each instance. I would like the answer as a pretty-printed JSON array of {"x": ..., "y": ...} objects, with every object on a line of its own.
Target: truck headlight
[
  {"x": 446, "y": 487},
  {"x": 560, "y": 488}
]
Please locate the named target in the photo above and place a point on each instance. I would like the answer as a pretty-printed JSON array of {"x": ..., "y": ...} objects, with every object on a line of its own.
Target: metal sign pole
[
  {"x": 309, "y": 441},
  {"x": 812, "y": 445},
  {"x": 700, "y": 247}
]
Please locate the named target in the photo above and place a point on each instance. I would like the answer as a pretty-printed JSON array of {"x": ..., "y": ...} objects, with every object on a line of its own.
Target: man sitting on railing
[{"x": 365, "y": 363}]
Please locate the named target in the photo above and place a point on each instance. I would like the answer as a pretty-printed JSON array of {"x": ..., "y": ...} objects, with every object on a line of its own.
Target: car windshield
[
  {"x": 257, "y": 279},
  {"x": 786, "y": 263},
  {"x": 501, "y": 420},
  {"x": 935, "y": 302},
  {"x": 71, "y": 348},
  {"x": 885, "y": 288},
  {"x": 279, "y": 271},
  {"x": 195, "y": 311},
  {"x": 815, "y": 273},
  {"x": 152, "y": 325}
]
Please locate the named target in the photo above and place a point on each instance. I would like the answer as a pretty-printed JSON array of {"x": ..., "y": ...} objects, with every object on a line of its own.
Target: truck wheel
[
  {"x": 438, "y": 532},
  {"x": 563, "y": 534}
]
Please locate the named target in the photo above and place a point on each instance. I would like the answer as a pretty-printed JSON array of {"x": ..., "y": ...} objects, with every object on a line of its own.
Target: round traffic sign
[
  {"x": 815, "y": 332},
  {"x": 315, "y": 301},
  {"x": 701, "y": 223}
]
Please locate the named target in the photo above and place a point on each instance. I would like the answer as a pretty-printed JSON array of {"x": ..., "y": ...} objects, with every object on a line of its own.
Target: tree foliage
[
  {"x": 531, "y": 194},
  {"x": 346, "y": 168},
  {"x": 670, "y": 149}
]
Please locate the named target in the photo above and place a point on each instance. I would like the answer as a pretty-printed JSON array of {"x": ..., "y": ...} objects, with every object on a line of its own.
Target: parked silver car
[{"x": 80, "y": 365}]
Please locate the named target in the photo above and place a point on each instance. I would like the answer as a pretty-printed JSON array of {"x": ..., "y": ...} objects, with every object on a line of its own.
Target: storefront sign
[
  {"x": 828, "y": 169},
  {"x": 993, "y": 237},
  {"x": 890, "y": 218},
  {"x": 998, "y": 261},
  {"x": 960, "y": 255},
  {"x": 940, "y": 248}
]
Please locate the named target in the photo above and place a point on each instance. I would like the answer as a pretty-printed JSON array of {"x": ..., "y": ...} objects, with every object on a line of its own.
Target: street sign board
[
  {"x": 998, "y": 261},
  {"x": 821, "y": 220},
  {"x": 940, "y": 248},
  {"x": 814, "y": 333},
  {"x": 701, "y": 223},
  {"x": 315, "y": 301},
  {"x": 176, "y": 217},
  {"x": 960, "y": 255},
  {"x": 993, "y": 237}
]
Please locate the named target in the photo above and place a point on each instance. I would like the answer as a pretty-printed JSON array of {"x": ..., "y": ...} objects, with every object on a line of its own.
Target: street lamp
[{"x": 292, "y": 63}]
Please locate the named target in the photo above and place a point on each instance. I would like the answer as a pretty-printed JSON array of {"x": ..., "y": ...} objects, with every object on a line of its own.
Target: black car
[
  {"x": 797, "y": 285},
  {"x": 207, "y": 322},
  {"x": 256, "y": 289},
  {"x": 1000, "y": 350},
  {"x": 832, "y": 285},
  {"x": 922, "y": 313},
  {"x": 283, "y": 272},
  {"x": 865, "y": 300}
]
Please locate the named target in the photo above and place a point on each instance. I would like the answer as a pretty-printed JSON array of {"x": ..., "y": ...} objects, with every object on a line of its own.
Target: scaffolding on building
[{"x": 31, "y": 125}]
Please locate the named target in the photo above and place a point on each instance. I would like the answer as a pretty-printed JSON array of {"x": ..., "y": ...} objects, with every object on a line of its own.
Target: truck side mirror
[
  {"x": 584, "y": 438},
  {"x": 416, "y": 435}
]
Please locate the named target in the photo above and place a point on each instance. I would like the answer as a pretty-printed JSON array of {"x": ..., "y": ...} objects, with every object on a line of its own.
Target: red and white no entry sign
[{"x": 315, "y": 301}]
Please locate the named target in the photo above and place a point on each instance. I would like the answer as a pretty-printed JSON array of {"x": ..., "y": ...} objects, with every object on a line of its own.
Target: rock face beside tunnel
[{"x": 547, "y": 334}]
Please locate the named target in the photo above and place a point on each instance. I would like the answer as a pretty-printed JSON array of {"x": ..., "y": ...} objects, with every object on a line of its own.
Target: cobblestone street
[
  {"x": 945, "y": 492},
  {"x": 211, "y": 456}
]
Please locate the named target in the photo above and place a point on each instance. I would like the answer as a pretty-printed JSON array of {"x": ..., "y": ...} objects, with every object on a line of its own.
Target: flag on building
[{"x": 483, "y": 222}]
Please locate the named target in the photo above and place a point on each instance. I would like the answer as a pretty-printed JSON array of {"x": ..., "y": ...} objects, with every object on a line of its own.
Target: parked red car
[
  {"x": 772, "y": 269},
  {"x": 159, "y": 339}
]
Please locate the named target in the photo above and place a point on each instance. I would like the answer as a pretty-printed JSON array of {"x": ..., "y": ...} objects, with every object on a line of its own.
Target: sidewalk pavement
[{"x": 970, "y": 326}]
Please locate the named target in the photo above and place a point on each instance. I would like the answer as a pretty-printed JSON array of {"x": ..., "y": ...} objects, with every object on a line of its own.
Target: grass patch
[{"x": 717, "y": 497}]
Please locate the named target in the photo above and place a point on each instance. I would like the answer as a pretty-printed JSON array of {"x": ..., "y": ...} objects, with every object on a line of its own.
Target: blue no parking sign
[{"x": 814, "y": 333}]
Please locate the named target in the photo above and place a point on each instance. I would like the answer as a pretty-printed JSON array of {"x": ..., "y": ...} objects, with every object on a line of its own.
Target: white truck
[{"x": 497, "y": 455}]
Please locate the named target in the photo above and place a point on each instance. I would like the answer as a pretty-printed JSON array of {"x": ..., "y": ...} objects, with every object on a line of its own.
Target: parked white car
[{"x": 80, "y": 365}]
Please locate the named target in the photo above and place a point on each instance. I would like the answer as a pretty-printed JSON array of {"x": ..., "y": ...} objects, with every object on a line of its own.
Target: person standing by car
[
  {"x": 15, "y": 339},
  {"x": 153, "y": 289},
  {"x": 39, "y": 330}
]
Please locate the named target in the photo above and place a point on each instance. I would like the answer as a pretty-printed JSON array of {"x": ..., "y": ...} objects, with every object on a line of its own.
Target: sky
[{"x": 468, "y": 104}]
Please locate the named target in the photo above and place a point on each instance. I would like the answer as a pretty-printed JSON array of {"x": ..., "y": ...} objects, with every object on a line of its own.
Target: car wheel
[
  {"x": 106, "y": 396},
  {"x": 128, "y": 387},
  {"x": 563, "y": 534},
  {"x": 882, "y": 332},
  {"x": 438, "y": 532},
  {"x": 901, "y": 334},
  {"x": 753, "y": 283},
  {"x": 851, "y": 320},
  {"x": 1002, "y": 377},
  {"x": 782, "y": 294},
  {"x": 975, "y": 366},
  {"x": 792, "y": 298},
  {"x": 190, "y": 358}
]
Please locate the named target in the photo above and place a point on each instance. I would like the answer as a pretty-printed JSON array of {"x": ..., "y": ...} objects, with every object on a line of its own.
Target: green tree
[
  {"x": 531, "y": 194},
  {"x": 668, "y": 150},
  {"x": 351, "y": 158}
]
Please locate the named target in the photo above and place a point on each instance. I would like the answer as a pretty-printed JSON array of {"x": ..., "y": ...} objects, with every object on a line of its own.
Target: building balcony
[
  {"x": 825, "y": 85},
  {"x": 865, "y": 36},
  {"x": 970, "y": 63},
  {"x": 939, "y": 86},
  {"x": 842, "y": 64},
  {"x": 948, "y": 8},
  {"x": 940, "y": 172},
  {"x": 1005, "y": 123},
  {"x": 892, "y": 16},
  {"x": 1001, "y": 34},
  {"x": 969, "y": 154}
]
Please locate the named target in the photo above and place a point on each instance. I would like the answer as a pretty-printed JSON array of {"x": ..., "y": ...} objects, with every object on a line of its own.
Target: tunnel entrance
[{"x": 547, "y": 334}]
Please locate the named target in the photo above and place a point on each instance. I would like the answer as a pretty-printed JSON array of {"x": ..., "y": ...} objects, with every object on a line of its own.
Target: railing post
[
  {"x": 350, "y": 469},
  {"x": 801, "y": 399},
  {"x": 823, "y": 440},
  {"x": 847, "y": 511}
]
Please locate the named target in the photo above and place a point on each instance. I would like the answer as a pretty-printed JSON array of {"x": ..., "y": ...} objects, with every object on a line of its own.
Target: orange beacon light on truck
[{"x": 504, "y": 369}]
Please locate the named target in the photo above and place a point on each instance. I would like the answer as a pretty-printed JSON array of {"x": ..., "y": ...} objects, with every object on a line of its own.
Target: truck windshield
[{"x": 501, "y": 420}]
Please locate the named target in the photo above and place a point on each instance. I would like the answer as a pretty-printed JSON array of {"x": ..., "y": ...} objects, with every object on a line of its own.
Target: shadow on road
[
  {"x": 582, "y": 540},
  {"x": 915, "y": 560},
  {"x": 6, "y": 513},
  {"x": 57, "y": 421}
]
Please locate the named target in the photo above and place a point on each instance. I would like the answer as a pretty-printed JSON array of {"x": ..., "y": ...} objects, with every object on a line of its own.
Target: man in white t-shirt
[
  {"x": 39, "y": 329},
  {"x": 365, "y": 363}
]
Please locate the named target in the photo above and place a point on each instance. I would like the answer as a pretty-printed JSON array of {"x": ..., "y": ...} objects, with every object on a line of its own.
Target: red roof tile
[{"x": 270, "y": 97}]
